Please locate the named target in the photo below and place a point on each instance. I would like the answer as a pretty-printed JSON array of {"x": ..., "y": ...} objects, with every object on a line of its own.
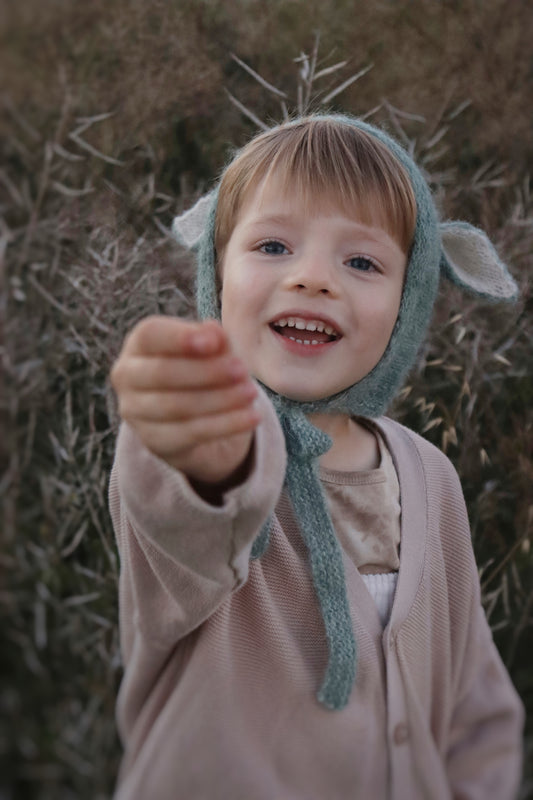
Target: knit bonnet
[{"x": 457, "y": 250}]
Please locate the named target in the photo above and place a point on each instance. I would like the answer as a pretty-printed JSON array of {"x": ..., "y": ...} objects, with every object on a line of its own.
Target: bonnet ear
[
  {"x": 469, "y": 260},
  {"x": 189, "y": 227}
]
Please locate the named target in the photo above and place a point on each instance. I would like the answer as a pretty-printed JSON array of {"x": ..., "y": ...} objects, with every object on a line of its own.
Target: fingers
[
  {"x": 168, "y": 440},
  {"x": 175, "y": 406},
  {"x": 157, "y": 373},
  {"x": 181, "y": 388},
  {"x": 168, "y": 336},
  {"x": 162, "y": 353}
]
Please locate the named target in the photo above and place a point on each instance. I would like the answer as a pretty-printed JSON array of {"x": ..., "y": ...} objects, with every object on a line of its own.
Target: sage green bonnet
[{"x": 457, "y": 250}]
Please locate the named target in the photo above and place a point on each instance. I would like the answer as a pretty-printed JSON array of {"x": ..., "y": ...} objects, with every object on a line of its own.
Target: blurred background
[{"x": 115, "y": 116}]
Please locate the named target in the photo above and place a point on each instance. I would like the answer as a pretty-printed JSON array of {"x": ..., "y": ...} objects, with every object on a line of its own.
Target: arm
[
  {"x": 181, "y": 556},
  {"x": 195, "y": 476}
]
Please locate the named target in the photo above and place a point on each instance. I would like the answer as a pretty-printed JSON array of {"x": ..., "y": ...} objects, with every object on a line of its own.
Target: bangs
[{"x": 323, "y": 162}]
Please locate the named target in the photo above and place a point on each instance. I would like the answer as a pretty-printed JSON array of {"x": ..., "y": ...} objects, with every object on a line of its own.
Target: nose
[{"x": 313, "y": 274}]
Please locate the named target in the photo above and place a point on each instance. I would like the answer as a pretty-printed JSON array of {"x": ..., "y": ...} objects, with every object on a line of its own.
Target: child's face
[{"x": 309, "y": 298}]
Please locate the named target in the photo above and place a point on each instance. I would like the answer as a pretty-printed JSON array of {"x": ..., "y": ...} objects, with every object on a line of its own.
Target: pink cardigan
[{"x": 223, "y": 656}]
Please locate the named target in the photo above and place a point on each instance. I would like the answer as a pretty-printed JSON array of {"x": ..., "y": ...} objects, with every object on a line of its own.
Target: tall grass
[{"x": 96, "y": 158}]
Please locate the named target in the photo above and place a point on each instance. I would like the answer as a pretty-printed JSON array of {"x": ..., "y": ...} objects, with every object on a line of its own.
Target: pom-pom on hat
[{"x": 457, "y": 250}]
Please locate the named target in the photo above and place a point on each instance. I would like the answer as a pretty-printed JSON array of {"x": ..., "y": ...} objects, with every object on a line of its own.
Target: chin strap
[{"x": 305, "y": 444}]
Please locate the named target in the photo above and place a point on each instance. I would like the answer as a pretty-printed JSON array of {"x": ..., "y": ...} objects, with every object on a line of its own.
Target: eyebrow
[
  {"x": 287, "y": 219},
  {"x": 274, "y": 219}
]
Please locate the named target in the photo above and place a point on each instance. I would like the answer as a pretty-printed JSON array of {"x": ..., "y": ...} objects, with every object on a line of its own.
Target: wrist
[{"x": 212, "y": 491}]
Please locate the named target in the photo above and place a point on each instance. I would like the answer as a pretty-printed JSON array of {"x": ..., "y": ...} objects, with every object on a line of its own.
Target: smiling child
[{"x": 299, "y": 603}]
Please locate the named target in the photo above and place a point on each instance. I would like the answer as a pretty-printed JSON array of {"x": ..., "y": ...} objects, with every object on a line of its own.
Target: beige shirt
[
  {"x": 365, "y": 509},
  {"x": 223, "y": 657}
]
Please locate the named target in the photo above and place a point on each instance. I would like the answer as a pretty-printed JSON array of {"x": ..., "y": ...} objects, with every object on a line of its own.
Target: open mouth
[{"x": 311, "y": 332}]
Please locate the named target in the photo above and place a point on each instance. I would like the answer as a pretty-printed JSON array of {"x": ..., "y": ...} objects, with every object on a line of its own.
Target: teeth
[
  {"x": 304, "y": 341},
  {"x": 306, "y": 325}
]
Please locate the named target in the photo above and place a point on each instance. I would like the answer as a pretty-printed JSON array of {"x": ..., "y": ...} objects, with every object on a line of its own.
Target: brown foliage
[{"x": 115, "y": 118}]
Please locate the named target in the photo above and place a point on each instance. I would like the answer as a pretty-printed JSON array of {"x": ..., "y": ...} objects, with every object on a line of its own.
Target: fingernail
[{"x": 201, "y": 342}]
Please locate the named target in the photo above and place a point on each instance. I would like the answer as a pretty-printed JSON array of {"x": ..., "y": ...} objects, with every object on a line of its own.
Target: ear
[
  {"x": 469, "y": 260},
  {"x": 189, "y": 226}
]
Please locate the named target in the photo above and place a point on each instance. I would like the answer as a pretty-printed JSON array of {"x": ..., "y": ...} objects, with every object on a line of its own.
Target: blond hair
[{"x": 322, "y": 160}]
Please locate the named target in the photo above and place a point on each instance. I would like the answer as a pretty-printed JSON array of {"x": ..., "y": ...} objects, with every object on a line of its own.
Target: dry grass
[
  {"x": 86, "y": 199},
  {"x": 79, "y": 275}
]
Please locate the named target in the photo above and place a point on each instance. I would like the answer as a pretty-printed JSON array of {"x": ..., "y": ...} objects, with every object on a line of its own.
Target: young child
[{"x": 299, "y": 603}]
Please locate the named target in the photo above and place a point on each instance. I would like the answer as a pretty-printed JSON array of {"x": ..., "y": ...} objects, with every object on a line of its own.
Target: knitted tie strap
[{"x": 305, "y": 444}]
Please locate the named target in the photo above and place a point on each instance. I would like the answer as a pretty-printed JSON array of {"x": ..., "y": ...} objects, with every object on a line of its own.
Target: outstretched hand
[{"x": 189, "y": 399}]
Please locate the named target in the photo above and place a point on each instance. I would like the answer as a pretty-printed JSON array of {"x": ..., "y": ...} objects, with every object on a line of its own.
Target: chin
[{"x": 300, "y": 396}]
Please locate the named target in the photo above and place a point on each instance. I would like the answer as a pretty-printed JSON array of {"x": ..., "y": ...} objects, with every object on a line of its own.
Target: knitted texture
[
  {"x": 470, "y": 260},
  {"x": 189, "y": 227},
  {"x": 369, "y": 397},
  {"x": 305, "y": 444}
]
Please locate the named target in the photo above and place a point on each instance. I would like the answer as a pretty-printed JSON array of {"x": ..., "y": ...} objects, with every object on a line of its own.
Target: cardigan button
[{"x": 400, "y": 734}]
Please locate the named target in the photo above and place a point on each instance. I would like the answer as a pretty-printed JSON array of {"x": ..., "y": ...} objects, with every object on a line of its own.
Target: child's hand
[{"x": 188, "y": 398}]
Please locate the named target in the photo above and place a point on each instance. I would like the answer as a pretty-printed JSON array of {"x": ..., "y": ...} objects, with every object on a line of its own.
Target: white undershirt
[{"x": 382, "y": 588}]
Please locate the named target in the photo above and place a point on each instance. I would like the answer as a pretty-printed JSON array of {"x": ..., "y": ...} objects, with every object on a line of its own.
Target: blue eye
[
  {"x": 273, "y": 248},
  {"x": 361, "y": 263}
]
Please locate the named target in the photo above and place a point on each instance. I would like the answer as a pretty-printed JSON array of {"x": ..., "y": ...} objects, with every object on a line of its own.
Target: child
[{"x": 300, "y": 607}]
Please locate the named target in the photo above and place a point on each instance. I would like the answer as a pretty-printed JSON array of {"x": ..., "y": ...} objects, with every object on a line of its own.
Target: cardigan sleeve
[
  {"x": 484, "y": 758},
  {"x": 181, "y": 556}
]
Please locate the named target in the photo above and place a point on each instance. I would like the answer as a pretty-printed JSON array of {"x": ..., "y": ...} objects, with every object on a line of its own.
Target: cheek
[
  {"x": 390, "y": 306},
  {"x": 241, "y": 291},
  {"x": 378, "y": 325},
  {"x": 234, "y": 305}
]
